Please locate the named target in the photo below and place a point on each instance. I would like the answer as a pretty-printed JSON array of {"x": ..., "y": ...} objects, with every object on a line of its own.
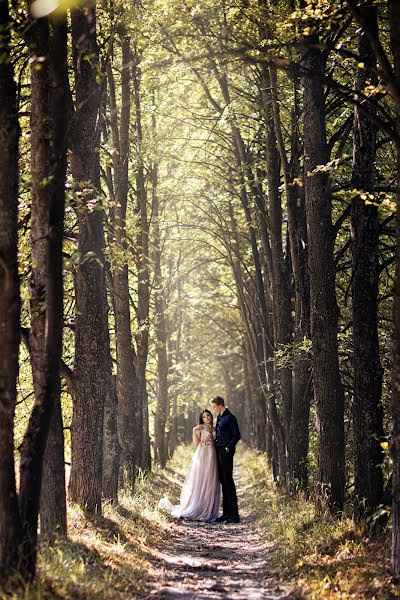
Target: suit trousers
[{"x": 225, "y": 474}]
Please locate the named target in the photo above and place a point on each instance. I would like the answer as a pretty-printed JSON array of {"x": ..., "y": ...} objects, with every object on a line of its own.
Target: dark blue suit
[{"x": 227, "y": 436}]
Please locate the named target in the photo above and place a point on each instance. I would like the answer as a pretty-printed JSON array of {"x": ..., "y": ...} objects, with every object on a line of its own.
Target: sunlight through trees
[{"x": 197, "y": 198}]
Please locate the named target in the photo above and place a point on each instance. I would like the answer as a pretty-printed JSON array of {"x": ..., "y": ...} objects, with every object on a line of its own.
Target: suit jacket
[{"x": 227, "y": 430}]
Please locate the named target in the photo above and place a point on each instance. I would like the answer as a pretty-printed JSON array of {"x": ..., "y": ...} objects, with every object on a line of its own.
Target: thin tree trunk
[
  {"x": 298, "y": 435},
  {"x": 53, "y": 505},
  {"x": 143, "y": 305},
  {"x": 53, "y": 509},
  {"x": 279, "y": 276},
  {"x": 328, "y": 388},
  {"x": 48, "y": 168},
  {"x": 394, "y": 19},
  {"x": 265, "y": 348},
  {"x": 174, "y": 438},
  {"x": 367, "y": 408},
  {"x": 111, "y": 446},
  {"x": 160, "y": 434},
  {"x": 247, "y": 427},
  {"x": 93, "y": 379},
  {"x": 10, "y": 525},
  {"x": 302, "y": 368},
  {"x": 129, "y": 407}
]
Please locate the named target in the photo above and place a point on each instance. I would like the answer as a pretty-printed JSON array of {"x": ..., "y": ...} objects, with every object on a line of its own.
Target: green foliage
[
  {"x": 105, "y": 557},
  {"x": 323, "y": 556},
  {"x": 184, "y": 49},
  {"x": 186, "y": 133}
]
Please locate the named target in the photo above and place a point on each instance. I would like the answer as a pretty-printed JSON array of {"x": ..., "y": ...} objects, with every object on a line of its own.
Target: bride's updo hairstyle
[{"x": 201, "y": 416}]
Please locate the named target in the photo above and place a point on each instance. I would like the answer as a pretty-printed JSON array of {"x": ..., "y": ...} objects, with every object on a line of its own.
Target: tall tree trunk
[
  {"x": 93, "y": 378},
  {"x": 143, "y": 305},
  {"x": 10, "y": 525},
  {"x": 160, "y": 434},
  {"x": 367, "y": 408},
  {"x": 328, "y": 388},
  {"x": 174, "y": 438},
  {"x": 298, "y": 434},
  {"x": 391, "y": 76},
  {"x": 255, "y": 316},
  {"x": 265, "y": 348},
  {"x": 129, "y": 407},
  {"x": 394, "y": 19},
  {"x": 248, "y": 424},
  {"x": 302, "y": 373},
  {"x": 48, "y": 168},
  {"x": 279, "y": 276},
  {"x": 111, "y": 445},
  {"x": 53, "y": 505},
  {"x": 53, "y": 509}
]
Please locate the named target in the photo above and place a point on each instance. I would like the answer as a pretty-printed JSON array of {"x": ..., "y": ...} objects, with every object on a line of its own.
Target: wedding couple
[{"x": 211, "y": 468}]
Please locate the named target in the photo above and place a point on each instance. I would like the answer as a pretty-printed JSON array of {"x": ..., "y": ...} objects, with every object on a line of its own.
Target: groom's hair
[{"x": 218, "y": 400}]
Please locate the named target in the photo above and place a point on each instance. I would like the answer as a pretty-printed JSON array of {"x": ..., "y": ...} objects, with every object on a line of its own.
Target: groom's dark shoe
[
  {"x": 221, "y": 519},
  {"x": 232, "y": 520}
]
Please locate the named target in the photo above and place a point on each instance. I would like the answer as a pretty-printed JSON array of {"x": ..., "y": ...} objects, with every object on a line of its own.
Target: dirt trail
[{"x": 215, "y": 562}]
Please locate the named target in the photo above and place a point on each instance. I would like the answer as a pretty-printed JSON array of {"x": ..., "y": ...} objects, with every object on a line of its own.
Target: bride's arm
[{"x": 196, "y": 435}]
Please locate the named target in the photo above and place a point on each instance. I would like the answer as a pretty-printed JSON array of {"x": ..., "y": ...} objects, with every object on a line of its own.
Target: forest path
[{"x": 214, "y": 561}]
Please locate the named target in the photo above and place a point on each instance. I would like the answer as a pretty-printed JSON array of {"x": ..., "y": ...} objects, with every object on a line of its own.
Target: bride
[{"x": 201, "y": 490}]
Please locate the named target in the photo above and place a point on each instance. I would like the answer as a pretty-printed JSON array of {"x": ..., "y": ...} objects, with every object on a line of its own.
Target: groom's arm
[{"x": 235, "y": 432}]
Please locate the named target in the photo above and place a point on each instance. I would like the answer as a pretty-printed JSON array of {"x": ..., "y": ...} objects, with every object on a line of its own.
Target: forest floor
[
  {"x": 215, "y": 561},
  {"x": 280, "y": 549}
]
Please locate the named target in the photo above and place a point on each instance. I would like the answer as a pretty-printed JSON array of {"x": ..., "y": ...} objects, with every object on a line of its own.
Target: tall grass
[
  {"x": 325, "y": 557},
  {"x": 109, "y": 556},
  {"x": 112, "y": 556}
]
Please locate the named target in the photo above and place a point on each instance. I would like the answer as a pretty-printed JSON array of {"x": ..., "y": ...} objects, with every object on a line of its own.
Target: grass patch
[
  {"x": 108, "y": 556},
  {"x": 114, "y": 556},
  {"x": 326, "y": 557}
]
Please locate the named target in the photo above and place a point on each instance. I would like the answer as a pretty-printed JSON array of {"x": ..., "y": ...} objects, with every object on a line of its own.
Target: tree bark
[
  {"x": 367, "y": 408},
  {"x": 93, "y": 378},
  {"x": 247, "y": 428},
  {"x": 298, "y": 434},
  {"x": 53, "y": 505},
  {"x": 328, "y": 388},
  {"x": 143, "y": 306},
  {"x": 394, "y": 19},
  {"x": 129, "y": 409},
  {"x": 264, "y": 346},
  {"x": 10, "y": 525},
  {"x": 174, "y": 358},
  {"x": 279, "y": 276},
  {"x": 48, "y": 168},
  {"x": 160, "y": 434},
  {"x": 53, "y": 510}
]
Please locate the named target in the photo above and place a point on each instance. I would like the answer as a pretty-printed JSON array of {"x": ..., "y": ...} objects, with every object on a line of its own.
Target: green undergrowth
[
  {"x": 324, "y": 557},
  {"x": 114, "y": 556},
  {"x": 107, "y": 556}
]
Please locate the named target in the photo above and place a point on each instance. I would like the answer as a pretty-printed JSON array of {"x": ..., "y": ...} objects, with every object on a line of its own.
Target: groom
[{"x": 227, "y": 436}]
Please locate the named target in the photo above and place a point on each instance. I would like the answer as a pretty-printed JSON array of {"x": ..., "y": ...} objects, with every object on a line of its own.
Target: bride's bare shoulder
[{"x": 198, "y": 428}]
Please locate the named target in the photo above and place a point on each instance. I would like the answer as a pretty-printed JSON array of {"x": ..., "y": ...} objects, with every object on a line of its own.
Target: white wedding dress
[{"x": 201, "y": 491}]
